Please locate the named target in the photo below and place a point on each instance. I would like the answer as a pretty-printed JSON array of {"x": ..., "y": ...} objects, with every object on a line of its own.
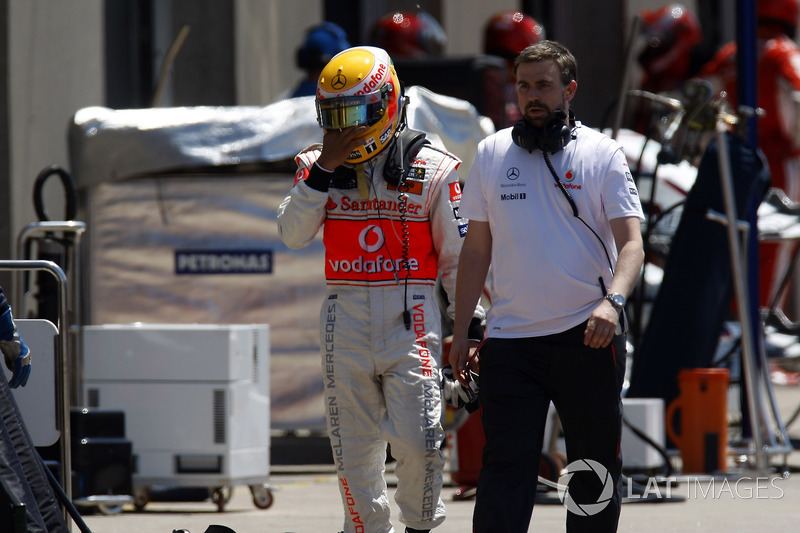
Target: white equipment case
[{"x": 196, "y": 403}]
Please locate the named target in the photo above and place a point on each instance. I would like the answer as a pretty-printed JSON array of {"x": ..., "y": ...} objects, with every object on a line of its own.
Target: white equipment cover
[
  {"x": 181, "y": 205},
  {"x": 111, "y": 145}
]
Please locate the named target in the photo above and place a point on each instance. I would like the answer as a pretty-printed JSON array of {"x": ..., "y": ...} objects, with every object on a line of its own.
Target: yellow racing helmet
[{"x": 359, "y": 86}]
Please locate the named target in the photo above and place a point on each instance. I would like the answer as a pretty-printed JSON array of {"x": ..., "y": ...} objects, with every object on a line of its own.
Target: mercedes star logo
[
  {"x": 513, "y": 173},
  {"x": 338, "y": 81}
]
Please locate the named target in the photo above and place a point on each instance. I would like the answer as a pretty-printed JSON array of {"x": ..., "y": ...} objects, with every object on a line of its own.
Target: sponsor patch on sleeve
[
  {"x": 416, "y": 173},
  {"x": 300, "y": 175},
  {"x": 455, "y": 192},
  {"x": 462, "y": 230}
]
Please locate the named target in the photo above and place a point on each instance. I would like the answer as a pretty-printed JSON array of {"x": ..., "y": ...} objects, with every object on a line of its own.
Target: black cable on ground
[{"x": 65, "y": 501}]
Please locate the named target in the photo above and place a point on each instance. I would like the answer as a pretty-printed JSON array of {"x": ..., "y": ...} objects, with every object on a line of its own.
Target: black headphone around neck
[
  {"x": 553, "y": 137},
  {"x": 402, "y": 151}
]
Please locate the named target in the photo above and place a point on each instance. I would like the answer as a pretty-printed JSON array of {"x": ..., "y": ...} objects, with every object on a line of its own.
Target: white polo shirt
[{"x": 546, "y": 263}]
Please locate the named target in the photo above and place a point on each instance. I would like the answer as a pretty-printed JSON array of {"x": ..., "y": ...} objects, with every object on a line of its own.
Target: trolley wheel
[
  {"x": 109, "y": 510},
  {"x": 221, "y": 496},
  {"x": 262, "y": 496},
  {"x": 464, "y": 493},
  {"x": 141, "y": 497}
]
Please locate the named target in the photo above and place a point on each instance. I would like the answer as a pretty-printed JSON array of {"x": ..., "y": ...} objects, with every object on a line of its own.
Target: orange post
[{"x": 702, "y": 404}]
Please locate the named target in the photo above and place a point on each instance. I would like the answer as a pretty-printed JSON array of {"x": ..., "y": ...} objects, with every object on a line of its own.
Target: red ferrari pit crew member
[
  {"x": 672, "y": 34},
  {"x": 505, "y": 35},
  {"x": 408, "y": 35},
  {"x": 388, "y": 206},
  {"x": 779, "y": 127}
]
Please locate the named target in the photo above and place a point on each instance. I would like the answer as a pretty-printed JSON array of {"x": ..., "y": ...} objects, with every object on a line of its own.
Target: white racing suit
[{"x": 380, "y": 378}]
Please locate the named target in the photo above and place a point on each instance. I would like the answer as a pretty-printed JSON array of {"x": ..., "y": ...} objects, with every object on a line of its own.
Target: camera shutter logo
[
  {"x": 371, "y": 244},
  {"x": 585, "y": 509}
]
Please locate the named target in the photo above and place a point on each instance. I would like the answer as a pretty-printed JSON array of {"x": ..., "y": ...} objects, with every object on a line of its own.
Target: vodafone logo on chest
[
  {"x": 371, "y": 239},
  {"x": 355, "y": 251},
  {"x": 569, "y": 178}
]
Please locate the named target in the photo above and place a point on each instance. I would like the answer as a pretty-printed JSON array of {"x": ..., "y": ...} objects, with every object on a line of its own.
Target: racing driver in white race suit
[{"x": 389, "y": 207}]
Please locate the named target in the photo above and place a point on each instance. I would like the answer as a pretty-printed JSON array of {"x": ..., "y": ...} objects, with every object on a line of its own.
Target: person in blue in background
[
  {"x": 15, "y": 351},
  {"x": 322, "y": 42}
]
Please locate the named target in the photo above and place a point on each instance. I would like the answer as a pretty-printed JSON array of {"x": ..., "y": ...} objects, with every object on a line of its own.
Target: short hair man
[{"x": 555, "y": 213}]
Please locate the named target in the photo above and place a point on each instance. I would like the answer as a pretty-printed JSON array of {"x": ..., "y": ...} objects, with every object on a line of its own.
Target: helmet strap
[{"x": 403, "y": 103}]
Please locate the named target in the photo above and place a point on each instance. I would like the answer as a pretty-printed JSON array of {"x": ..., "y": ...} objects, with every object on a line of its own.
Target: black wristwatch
[{"x": 617, "y": 300}]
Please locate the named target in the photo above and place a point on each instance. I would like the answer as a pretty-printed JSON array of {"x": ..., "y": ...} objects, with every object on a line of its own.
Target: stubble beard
[{"x": 540, "y": 121}]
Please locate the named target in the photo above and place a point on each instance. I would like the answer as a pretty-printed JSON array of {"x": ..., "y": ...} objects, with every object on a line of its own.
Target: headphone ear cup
[
  {"x": 552, "y": 138},
  {"x": 558, "y": 135},
  {"x": 524, "y": 135}
]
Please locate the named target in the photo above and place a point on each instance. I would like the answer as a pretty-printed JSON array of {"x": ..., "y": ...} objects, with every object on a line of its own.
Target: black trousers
[{"x": 518, "y": 380}]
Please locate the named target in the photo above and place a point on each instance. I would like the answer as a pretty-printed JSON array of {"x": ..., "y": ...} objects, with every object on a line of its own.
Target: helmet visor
[{"x": 348, "y": 111}]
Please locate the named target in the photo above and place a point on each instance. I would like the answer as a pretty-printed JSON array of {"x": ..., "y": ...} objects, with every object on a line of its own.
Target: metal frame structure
[
  {"x": 62, "y": 363},
  {"x": 71, "y": 317},
  {"x": 769, "y": 436}
]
